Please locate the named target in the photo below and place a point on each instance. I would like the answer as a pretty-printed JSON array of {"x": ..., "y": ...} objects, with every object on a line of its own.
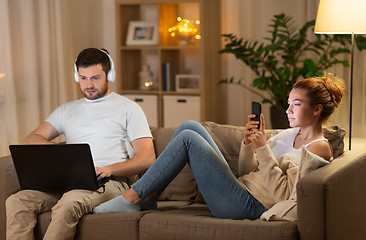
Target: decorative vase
[
  {"x": 146, "y": 78},
  {"x": 279, "y": 118}
]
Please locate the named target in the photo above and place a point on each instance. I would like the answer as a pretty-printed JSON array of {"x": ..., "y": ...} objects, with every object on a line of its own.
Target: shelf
[
  {"x": 159, "y": 92},
  {"x": 139, "y": 92},
  {"x": 139, "y": 48},
  {"x": 200, "y": 58},
  {"x": 180, "y": 47},
  {"x": 181, "y": 93}
]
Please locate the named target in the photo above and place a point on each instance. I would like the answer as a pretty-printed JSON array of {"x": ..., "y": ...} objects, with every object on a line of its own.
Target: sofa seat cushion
[
  {"x": 170, "y": 205},
  {"x": 196, "y": 222},
  {"x": 183, "y": 187},
  {"x": 99, "y": 226}
]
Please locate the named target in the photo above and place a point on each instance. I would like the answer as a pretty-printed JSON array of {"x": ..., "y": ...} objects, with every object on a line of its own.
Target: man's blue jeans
[{"x": 223, "y": 193}]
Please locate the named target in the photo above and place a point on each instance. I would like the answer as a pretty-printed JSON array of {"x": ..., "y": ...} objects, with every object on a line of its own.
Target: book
[
  {"x": 168, "y": 80},
  {"x": 164, "y": 76},
  {"x": 168, "y": 76}
]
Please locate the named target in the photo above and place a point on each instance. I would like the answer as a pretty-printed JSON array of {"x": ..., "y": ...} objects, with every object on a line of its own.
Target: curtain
[
  {"x": 39, "y": 41},
  {"x": 250, "y": 19},
  {"x": 34, "y": 53},
  {"x": 8, "y": 115}
]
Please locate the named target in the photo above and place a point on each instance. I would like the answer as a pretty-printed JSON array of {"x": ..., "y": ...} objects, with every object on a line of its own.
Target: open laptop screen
[{"x": 54, "y": 167}]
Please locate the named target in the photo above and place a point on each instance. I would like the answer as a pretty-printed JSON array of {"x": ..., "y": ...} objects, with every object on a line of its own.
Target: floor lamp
[{"x": 342, "y": 17}]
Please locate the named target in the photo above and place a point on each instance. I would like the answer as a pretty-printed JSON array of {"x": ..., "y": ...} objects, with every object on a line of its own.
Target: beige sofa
[{"x": 331, "y": 202}]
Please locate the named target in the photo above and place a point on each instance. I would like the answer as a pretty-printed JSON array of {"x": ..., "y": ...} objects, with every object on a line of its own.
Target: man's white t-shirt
[{"x": 107, "y": 124}]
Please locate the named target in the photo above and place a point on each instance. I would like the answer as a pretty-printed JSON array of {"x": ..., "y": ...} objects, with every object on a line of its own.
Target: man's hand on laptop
[{"x": 103, "y": 172}]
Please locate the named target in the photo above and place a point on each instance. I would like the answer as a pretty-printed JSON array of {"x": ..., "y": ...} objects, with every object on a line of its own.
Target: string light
[
  {"x": 185, "y": 28},
  {"x": 148, "y": 84}
]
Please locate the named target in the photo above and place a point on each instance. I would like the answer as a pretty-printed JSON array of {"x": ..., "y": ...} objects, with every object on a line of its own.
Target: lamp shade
[{"x": 341, "y": 17}]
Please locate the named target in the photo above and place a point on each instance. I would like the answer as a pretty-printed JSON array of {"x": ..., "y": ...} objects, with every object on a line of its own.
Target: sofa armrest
[
  {"x": 331, "y": 200},
  {"x": 8, "y": 185}
]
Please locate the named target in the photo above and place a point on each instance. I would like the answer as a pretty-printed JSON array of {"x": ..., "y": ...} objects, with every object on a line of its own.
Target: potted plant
[{"x": 280, "y": 61}]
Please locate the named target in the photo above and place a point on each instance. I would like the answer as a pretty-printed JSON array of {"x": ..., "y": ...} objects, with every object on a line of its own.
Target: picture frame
[
  {"x": 187, "y": 83},
  {"x": 142, "y": 33}
]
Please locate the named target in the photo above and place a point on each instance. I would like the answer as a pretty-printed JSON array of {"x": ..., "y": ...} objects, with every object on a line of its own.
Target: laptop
[{"x": 55, "y": 167}]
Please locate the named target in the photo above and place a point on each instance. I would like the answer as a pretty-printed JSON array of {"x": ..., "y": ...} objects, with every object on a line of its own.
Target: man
[{"x": 116, "y": 130}]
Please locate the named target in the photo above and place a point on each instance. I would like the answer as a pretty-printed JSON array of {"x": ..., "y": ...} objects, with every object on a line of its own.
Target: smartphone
[{"x": 257, "y": 110}]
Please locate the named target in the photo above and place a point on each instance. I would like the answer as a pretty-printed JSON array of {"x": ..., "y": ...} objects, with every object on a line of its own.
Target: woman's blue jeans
[{"x": 223, "y": 193}]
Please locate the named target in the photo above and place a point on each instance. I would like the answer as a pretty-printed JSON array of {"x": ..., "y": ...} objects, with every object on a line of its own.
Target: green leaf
[{"x": 278, "y": 60}]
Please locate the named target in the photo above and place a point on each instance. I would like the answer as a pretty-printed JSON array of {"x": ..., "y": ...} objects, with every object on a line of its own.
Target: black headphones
[{"x": 111, "y": 75}]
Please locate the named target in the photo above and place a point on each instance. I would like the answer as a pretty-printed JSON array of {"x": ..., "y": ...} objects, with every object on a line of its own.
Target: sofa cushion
[
  {"x": 99, "y": 226},
  {"x": 8, "y": 185},
  {"x": 183, "y": 187},
  {"x": 228, "y": 139},
  {"x": 196, "y": 222},
  {"x": 335, "y": 136},
  {"x": 228, "y": 133}
]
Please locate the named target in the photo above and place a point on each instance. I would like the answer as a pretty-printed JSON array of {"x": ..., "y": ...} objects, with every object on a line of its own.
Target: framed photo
[
  {"x": 142, "y": 33},
  {"x": 187, "y": 83}
]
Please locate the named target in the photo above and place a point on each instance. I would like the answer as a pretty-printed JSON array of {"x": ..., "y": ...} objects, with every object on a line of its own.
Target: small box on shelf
[{"x": 187, "y": 83}]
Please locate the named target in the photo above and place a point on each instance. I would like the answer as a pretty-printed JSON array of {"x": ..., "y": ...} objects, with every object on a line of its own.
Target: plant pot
[{"x": 279, "y": 118}]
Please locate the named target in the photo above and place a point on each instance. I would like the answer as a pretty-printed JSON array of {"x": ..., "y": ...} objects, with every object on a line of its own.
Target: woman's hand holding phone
[
  {"x": 254, "y": 129},
  {"x": 257, "y": 136},
  {"x": 249, "y": 128}
]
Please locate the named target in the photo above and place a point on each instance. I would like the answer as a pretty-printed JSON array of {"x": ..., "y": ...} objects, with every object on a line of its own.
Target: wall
[
  {"x": 91, "y": 24},
  {"x": 250, "y": 19}
]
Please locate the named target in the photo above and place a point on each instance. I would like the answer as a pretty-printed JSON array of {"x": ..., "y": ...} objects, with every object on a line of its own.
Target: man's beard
[{"x": 97, "y": 94}]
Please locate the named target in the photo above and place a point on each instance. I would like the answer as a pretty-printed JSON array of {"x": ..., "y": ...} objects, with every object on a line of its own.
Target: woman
[{"x": 268, "y": 178}]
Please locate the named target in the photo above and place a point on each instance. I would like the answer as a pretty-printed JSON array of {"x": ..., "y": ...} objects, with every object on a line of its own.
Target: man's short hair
[{"x": 93, "y": 56}]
